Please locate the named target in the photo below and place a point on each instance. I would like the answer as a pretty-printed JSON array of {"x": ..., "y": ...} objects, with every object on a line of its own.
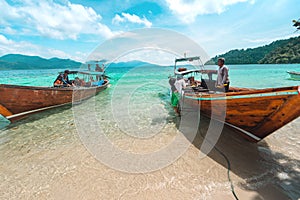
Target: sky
[{"x": 75, "y": 28}]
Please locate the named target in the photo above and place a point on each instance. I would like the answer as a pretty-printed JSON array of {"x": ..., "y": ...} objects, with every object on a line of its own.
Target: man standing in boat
[{"x": 223, "y": 77}]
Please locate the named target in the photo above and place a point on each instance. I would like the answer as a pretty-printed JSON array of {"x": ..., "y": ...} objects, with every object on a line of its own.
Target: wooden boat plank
[
  {"x": 288, "y": 111},
  {"x": 256, "y": 115}
]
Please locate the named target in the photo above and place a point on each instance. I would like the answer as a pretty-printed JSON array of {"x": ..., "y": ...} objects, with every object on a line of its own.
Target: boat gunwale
[
  {"x": 289, "y": 90},
  {"x": 51, "y": 87}
]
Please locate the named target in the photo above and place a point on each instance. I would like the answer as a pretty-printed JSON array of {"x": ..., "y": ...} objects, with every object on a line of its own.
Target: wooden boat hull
[
  {"x": 15, "y": 100},
  {"x": 294, "y": 75},
  {"x": 255, "y": 113}
]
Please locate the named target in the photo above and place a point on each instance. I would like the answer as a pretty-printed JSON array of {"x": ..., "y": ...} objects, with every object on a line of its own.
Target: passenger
[
  {"x": 79, "y": 82},
  {"x": 223, "y": 77},
  {"x": 174, "y": 94},
  {"x": 98, "y": 68},
  {"x": 177, "y": 87},
  {"x": 180, "y": 84},
  {"x": 62, "y": 80}
]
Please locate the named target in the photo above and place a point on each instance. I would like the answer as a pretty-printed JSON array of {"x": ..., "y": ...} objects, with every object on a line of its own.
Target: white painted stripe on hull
[{"x": 243, "y": 131}]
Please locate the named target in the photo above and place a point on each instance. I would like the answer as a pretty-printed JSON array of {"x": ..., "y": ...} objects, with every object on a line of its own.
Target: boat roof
[
  {"x": 188, "y": 71},
  {"x": 202, "y": 71},
  {"x": 91, "y": 72},
  {"x": 85, "y": 72},
  {"x": 92, "y": 62},
  {"x": 187, "y": 59}
]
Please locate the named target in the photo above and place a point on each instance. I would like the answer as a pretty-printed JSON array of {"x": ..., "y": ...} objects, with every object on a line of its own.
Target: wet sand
[{"x": 42, "y": 157}]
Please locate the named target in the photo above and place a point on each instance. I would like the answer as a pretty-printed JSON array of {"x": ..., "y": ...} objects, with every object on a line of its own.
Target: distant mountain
[
  {"x": 17, "y": 61},
  {"x": 278, "y": 52},
  {"x": 132, "y": 63}
]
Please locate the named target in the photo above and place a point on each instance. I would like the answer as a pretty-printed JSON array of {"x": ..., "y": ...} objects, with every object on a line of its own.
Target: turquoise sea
[
  {"x": 254, "y": 76},
  {"x": 44, "y": 156}
]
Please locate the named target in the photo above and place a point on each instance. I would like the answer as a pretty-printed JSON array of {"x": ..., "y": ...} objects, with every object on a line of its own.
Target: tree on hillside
[{"x": 297, "y": 24}]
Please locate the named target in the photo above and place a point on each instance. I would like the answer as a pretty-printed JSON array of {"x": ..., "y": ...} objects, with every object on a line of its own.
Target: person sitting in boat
[
  {"x": 99, "y": 69},
  {"x": 62, "y": 80},
  {"x": 223, "y": 77},
  {"x": 79, "y": 82}
]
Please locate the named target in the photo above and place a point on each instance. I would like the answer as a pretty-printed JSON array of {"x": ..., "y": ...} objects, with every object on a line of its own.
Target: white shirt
[
  {"x": 222, "y": 75},
  {"x": 179, "y": 84}
]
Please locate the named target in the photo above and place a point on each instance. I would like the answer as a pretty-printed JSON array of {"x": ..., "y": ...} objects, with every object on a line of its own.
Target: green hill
[
  {"x": 17, "y": 61},
  {"x": 278, "y": 52}
]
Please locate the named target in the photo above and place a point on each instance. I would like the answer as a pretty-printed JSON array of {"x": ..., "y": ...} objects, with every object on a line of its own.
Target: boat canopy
[
  {"x": 86, "y": 73},
  {"x": 202, "y": 71},
  {"x": 91, "y": 73},
  {"x": 187, "y": 59},
  {"x": 199, "y": 67},
  {"x": 188, "y": 71}
]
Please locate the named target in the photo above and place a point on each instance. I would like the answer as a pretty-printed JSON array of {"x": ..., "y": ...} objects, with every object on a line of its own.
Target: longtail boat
[
  {"x": 17, "y": 101},
  {"x": 294, "y": 75},
  {"x": 255, "y": 113}
]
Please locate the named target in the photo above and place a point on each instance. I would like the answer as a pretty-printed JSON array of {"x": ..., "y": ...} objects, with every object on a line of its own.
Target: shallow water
[{"x": 47, "y": 155}]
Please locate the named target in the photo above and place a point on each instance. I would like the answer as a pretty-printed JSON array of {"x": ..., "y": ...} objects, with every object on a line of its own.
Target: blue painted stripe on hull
[{"x": 242, "y": 96}]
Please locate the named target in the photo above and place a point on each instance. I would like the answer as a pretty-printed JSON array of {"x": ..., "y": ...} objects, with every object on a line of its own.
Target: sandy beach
[
  {"x": 106, "y": 100},
  {"x": 43, "y": 158}
]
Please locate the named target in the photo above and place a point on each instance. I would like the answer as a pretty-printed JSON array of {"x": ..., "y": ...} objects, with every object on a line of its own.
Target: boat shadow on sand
[{"x": 272, "y": 175}]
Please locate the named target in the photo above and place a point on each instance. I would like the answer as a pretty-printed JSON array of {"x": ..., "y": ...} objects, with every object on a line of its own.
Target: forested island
[
  {"x": 18, "y": 61},
  {"x": 278, "y": 52}
]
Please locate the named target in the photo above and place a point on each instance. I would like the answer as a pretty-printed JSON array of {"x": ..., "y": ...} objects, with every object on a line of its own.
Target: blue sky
[{"x": 74, "y": 28}]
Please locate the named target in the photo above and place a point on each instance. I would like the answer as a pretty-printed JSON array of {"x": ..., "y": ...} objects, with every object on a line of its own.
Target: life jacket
[{"x": 58, "y": 82}]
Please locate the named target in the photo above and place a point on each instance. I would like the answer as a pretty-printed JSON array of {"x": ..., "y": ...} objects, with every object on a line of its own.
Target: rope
[
  {"x": 228, "y": 172},
  {"x": 228, "y": 167}
]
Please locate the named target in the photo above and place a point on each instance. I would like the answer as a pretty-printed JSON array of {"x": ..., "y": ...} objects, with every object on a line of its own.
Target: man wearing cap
[
  {"x": 62, "y": 80},
  {"x": 223, "y": 77}
]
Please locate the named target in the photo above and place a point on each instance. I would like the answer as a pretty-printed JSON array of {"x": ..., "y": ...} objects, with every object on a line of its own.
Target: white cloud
[
  {"x": 54, "y": 20},
  {"x": 131, "y": 18},
  {"x": 8, "y": 46},
  {"x": 4, "y": 40},
  {"x": 8, "y": 30},
  {"x": 187, "y": 11},
  {"x": 117, "y": 19}
]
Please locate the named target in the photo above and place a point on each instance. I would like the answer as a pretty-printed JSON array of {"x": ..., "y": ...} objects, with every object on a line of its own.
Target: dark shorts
[{"x": 227, "y": 87}]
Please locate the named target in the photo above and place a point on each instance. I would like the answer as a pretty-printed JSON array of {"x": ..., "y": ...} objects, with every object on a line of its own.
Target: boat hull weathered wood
[
  {"x": 16, "y": 100},
  {"x": 256, "y": 113}
]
